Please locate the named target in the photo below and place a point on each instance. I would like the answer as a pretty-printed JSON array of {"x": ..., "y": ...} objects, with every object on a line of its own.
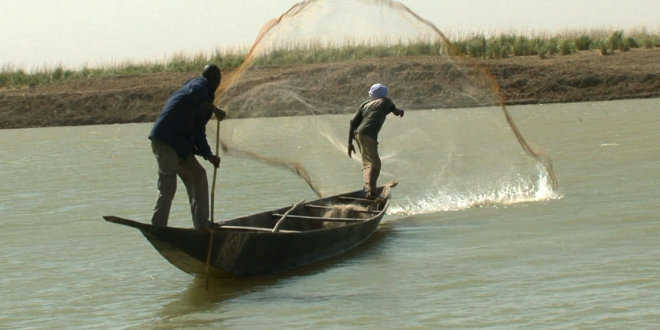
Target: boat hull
[{"x": 237, "y": 251}]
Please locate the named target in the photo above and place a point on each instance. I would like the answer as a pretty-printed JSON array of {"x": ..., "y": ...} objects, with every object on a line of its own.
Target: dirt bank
[{"x": 585, "y": 76}]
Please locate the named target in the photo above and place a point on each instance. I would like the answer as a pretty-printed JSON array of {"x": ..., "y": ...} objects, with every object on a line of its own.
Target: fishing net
[{"x": 309, "y": 69}]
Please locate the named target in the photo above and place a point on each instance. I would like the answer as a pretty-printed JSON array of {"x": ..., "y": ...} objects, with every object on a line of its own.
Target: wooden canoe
[{"x": 271, "y": 241}]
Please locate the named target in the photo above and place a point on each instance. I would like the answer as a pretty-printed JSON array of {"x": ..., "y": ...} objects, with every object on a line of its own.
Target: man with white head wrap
[{"x": 364, "y": 128}]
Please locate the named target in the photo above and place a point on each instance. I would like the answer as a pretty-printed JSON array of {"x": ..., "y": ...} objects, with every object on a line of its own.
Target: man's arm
[
  {"x": 199, "y": 92},
  {"x": 201, "y": 144},
  {"x": 351, "y": 148},
  {"x": 204, "y": 149},
  {"x": 217, "y": 112},
  {"x": 355, "y": 122}
]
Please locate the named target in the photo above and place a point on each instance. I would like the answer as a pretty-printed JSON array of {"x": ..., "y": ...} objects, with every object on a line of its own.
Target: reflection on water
[
  {"x": 202, "y": 297},
  {"x": 196, "y": 300}
]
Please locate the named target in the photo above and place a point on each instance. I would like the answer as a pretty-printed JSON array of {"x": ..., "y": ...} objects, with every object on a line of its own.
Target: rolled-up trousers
[
  {"x": 192, "y": 174},
  {"x": 370, "y": 162}
]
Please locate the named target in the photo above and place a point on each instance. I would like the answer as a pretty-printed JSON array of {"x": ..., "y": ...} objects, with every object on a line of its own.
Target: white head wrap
[{"x": 377, "y": 90}]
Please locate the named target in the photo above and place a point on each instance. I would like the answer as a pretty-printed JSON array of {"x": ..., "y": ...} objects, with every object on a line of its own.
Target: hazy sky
[{"x": 45, "y": 33}]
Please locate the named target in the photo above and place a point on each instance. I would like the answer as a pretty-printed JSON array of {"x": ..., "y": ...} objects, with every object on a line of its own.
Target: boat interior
[{"x": 330, "y": 212}]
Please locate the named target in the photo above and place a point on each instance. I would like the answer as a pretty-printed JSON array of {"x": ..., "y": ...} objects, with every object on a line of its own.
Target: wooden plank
[
  {"x": 256, "y": 229},
  {"x": 332, "y": 207},
  {"x": 276, "y": 228},
  {"x": 357, "y": 199},
  {"x": 320, "y": 218},
  {"x": 319, "y": 206}
]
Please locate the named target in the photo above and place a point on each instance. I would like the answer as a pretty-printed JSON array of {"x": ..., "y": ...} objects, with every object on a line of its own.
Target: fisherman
[
  {"x": 364, "y": 128},
  {"x": 177, "y": 136}
]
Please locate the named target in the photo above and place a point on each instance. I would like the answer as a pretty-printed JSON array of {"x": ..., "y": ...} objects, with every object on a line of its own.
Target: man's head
[
  {"x": 377, "y": 91},
  {"x": 212, "y": 74}
]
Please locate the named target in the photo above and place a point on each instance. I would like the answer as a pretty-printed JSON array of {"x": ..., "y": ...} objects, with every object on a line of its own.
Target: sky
[{"x": 37, "y": 34}]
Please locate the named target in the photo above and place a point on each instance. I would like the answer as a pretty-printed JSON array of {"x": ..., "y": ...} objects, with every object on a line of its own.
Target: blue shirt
[{"x": 182, "y": 122}]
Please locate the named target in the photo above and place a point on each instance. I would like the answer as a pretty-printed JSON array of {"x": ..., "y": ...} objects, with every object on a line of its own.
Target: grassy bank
[
  {"x": 507, "y": 45},
  {"x": 476, "y": 45},
  {"x": 10, "y": 77}
]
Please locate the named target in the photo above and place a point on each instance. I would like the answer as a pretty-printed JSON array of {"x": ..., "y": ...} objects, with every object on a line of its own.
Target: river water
[{"x": 587, "y": 256}]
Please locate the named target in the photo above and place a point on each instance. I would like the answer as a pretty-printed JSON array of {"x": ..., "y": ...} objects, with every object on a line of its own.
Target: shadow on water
[{"x": 197, "y": 299}]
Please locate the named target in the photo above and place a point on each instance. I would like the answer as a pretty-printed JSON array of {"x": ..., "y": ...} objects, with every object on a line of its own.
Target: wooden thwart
[
  {"x": 332, "y": 207},
  {"x": 356, "y": 199},
  {"x": 276, "y": 228},
  {"x": 256, "y": 229},
  {"x": 320, "y": 218}
]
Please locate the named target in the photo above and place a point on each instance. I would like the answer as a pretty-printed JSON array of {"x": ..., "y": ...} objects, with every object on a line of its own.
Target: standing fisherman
[
  {"x": 364, "y": 127},
  {"x": 177, "y": 136}
]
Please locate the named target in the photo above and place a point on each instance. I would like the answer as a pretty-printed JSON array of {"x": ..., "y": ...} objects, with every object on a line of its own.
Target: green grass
[
  {"x": 11, "y": 77},
  {"x": 476, "y": 45},
  {"x": 316, "y": 53}
]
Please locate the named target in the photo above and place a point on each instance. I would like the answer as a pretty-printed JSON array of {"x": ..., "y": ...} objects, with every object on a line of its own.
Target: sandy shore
[{"x": 584, "y": 76}]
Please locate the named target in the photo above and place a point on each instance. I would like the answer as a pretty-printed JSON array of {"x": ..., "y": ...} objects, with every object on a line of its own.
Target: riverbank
[{"x": 583, "y": 76}]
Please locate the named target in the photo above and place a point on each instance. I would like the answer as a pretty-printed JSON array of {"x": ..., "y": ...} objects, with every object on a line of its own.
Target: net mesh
[{"x": 312, "y": 66}]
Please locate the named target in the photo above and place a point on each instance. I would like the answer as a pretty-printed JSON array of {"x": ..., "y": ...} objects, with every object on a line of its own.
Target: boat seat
[
  {"x": 346, "y": 198},
  {"x": 292, "y": 216},
  {"x": 256, "y": 229},
  {"x": 332, "y": 207}
]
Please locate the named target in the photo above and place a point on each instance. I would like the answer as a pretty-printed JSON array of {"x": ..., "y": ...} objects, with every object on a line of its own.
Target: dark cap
[{"x": 212, "y": 74}]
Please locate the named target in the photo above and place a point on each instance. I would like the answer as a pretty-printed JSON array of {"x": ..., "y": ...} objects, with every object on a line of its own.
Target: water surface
[{"x": 586, "y": 257}]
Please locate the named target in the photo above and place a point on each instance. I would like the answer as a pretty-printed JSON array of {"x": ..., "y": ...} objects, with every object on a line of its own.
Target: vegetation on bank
[
  {"x": 507, "y": 45},
  {"x": 476, "y": 45}
]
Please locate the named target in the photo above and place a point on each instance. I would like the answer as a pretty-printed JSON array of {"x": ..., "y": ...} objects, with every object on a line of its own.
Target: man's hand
[
  {"x": 215, "y": 160},
  {"x": 219, "y": 113},
  {"x": 351, "y": 149}
]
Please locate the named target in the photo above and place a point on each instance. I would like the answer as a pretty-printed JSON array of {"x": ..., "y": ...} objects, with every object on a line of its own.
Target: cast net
[{"x": 305, "y": 75}]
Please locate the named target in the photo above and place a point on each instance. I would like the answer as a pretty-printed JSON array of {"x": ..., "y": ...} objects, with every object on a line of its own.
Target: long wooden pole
[
  {"x": 215, "y": 169},
  {"x": 215, "y": 175}
]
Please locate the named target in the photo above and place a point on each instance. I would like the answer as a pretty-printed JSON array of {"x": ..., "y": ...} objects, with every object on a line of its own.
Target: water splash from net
[
  {"x": 507, "y": 194},
  {"x": 317, "y": 60}
]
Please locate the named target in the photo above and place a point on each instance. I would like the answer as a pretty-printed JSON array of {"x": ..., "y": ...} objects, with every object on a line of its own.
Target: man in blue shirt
[
  {"x": 177, "y": 136},
  {"x": 364, "y": 128}
]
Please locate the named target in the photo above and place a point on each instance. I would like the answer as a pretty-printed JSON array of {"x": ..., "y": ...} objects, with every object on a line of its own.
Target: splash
[
  {"x": 448, "y": 200},
  {"x": 319, "y": 58}
]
